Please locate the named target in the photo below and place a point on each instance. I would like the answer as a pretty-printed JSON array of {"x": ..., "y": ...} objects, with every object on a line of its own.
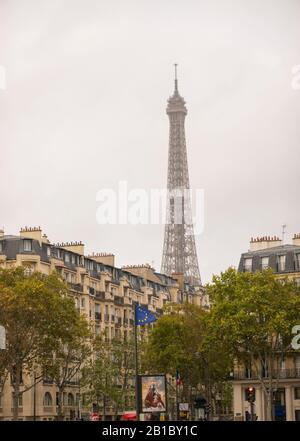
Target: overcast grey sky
[{"x": 84, "y": 107}]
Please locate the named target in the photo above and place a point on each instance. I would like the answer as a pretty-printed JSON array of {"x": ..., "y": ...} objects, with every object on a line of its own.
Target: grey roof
[
  {"x": 292, "y": 253},
  {"x": 13, "y": 245}
]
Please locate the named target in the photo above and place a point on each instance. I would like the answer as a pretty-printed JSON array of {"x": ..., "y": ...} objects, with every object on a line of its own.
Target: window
[
  {"x": 73, "y": 259},
  {"x": 0, "y": 400},
  {"x": 20, "y": 401},
  {"x": 97, "y": 330},
  {"x": 281, "y": 262},
  {"x": 297, "y": 393},
  {"x": 67, "y": 257},
  {"x": 1, "y": 247},
  {"x": 82, "y": 303},
  {"x": 264, "y": 262},
  {"x": 298, "y": 261},
  {"x": 27, "y": 245},
  {"x": 47, "y": 399},
  {"x": 297, "y": 365},
  {"x": 248, "y": 264},
  {"x": 48, "y": 251},
  {"x": 297, "y": 280}
]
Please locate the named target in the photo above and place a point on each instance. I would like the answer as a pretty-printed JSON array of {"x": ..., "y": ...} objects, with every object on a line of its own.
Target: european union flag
[{"x": 143, "y": 316}]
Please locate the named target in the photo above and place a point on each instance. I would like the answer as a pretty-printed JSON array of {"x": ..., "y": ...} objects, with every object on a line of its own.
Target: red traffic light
[{"x": 250, "y": 394}]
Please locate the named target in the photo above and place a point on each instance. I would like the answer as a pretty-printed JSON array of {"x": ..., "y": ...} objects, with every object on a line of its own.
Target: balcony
[
  {"x": 119, "y": 322},
  {"x": 109, "y": 296},
  {"x": 76, "y": 287},
  {"x": 48, "y": 380},
  {"x": 281, "y": 374},
  {"x": 97, "y": 315},
  {"x": 72, "y": 383},
  {"x": 119, "y": 300},
  {"x": 100, "y": 295}
]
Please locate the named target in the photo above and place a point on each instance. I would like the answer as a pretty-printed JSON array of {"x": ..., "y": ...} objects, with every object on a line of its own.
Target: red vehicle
[
  {"x": 95, "y": 416},
  {"x": 129, "y": 416}
]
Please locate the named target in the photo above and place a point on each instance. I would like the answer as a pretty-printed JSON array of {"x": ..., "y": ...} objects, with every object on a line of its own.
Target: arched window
[
  {"x": 47, "y": 399},
  {"x": 71, "y": 401}
]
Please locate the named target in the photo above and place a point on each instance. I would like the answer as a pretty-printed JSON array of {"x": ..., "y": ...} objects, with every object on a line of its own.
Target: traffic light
[
  {"x": 250, "y": 394},
  {"x": 208, "y": 408}
]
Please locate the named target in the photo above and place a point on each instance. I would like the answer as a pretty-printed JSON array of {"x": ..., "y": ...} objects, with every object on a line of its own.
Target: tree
[
  {"x": 110, "y": 374},
  {"x": 36, "y": 313},
  {"x": 179, "y": 342},
  {"x": 252, "y": 316},
  {"x": 69, "y": 355}
]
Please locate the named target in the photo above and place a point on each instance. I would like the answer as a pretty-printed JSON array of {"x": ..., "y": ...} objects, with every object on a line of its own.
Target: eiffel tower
[{"x": 179, "y": 251}]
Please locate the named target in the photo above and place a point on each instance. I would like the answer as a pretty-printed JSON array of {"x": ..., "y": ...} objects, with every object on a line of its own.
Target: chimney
[
  {"x": 262, "y": 243},
  {"x": 45, "y": 239},
  {"x": 145, "y": 271},
  {"x": 105, "y": 258},
  {"x": 76, "y": 247},
  {"x": 32, "y": 233},
  {"x": 180, "y": 279},
  {"x": 296, "y": 239}
]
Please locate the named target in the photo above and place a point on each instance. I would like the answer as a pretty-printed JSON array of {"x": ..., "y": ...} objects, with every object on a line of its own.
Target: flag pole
[{"x": 136, "y": 366}]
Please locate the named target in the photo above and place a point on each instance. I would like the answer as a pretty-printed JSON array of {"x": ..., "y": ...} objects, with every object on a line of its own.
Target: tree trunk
[
  {"x": 104, "y": 407},
  {"x": 269, "y": 406},
  {"x": 16, "y": 392},
  {"x": 60, "y": 415}
]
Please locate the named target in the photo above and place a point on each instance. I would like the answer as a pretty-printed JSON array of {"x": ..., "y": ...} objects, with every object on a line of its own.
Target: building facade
[
  {"x": 103, "y": 293},
  {"x": 284, "y": 259}
]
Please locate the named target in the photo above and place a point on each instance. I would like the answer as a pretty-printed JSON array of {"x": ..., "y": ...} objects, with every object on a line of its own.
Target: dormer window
[
  {"x": 27, "y": 245},
  {"x": 298, "y": 261},
  {"x": 248, "y": 264},
  {"x": 48, "y": 251},
  {"x": 264, "y": 262},
  {"x": 281, "y": 262}
]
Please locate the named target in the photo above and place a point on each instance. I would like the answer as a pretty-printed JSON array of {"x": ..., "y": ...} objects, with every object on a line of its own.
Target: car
[{"x": 129, "y": 415}]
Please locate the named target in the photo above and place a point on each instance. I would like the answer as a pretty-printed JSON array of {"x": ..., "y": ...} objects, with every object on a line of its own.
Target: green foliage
[
  {"x": 109, "y": 376},
  {"x": 39, "y": 319},
  {"x": 253, "y": 312},
  {"x": 180, "y": 341},
  {"x": 252, "y": 316}
]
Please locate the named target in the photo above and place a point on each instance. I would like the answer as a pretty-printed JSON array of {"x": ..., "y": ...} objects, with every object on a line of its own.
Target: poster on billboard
[{"x": 153, "y": 393}]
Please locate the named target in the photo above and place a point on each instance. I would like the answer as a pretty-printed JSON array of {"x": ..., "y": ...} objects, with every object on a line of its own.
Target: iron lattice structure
[{"x": 179, "y": 251}]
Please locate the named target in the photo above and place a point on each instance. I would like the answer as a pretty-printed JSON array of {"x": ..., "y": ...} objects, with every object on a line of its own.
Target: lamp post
[{"x": 34, "y": 396}]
